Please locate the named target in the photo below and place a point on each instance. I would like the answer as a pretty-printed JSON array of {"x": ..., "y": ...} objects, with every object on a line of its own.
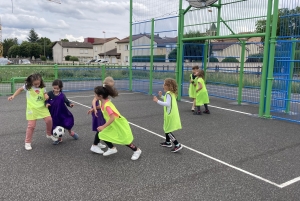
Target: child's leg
[
  {"x": 206, "y": 109},
  {"x": 29, "y": 131},
  {"x": 194, "y": 100},
  {"x": 48, "y": 121},
  {"x": 167, "y": 143},
  {"x": 136, "y": 151},
  {"x": 96, "y": 140},
  {"x": 95, "y": 148},
  {"x": 177, "y": 146},
  {"x": 111, "y": 149},
  {"x": 197, "y": 111},
  {"x": 73, "y": 134}
]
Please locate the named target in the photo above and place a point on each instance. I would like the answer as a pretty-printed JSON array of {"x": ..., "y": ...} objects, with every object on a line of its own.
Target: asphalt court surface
[{"x": 228, "y": 155}]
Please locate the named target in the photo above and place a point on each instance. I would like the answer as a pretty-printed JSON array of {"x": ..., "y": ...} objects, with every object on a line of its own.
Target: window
[
  {"x": 119, "y": 47},
  {"x": 126, "y": 58},
  {"x": 81, "y": 51},
  {"x": 85, "y": 51},
  {"x": 96, "y": 49},
  {"x": 67, "y": 50},
  {"x": 126, "y": 47}
]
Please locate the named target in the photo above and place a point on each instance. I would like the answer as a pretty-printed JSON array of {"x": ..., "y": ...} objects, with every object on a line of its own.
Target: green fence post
[
  {"x": 103, "y": 72},
  {"x": 55, "y": 71},
  {"x": 241, "y": 79},
  {"x": 151, "y": 57},
  {"x": 12, "y": 85},
  {"x": 130, "y": 46},
  {"x": 290, "y": 83},
  {"x": 265, "y": 65},
  {"x": 180, "y": 51},
  {"x": 271, "y": 61},
  {"x": 206, "y": 49}
]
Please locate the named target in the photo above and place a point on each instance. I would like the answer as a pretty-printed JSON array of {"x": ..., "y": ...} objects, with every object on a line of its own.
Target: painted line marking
[
  {"x": 94, "y": 95},
  {"x": 215, "y": 159},
  {"x": 221, "y": 108}
]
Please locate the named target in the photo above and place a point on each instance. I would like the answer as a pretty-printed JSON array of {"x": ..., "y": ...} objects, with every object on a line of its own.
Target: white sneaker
[
  {"x": 136, "y": 154},
  {"x": 52, "y": 138},
  {"x": 96, "y": 149},
  {"x": 110, "y": 151},
  {"x": 28, "y": 146},
  {"x": 102, "y": 146}
]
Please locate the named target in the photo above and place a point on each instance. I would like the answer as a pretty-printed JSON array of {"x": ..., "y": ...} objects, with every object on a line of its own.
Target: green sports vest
[
  {"x": 171, "y": 115},
  {"x": 36, "y": 108}
]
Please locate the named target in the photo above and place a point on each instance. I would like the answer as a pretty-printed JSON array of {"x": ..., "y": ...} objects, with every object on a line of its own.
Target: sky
[{"x": 72, "y": 19}]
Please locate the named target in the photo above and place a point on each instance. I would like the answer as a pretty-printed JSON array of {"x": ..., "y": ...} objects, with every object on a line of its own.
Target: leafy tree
[
  {"x": 74, "y": 59},
  {"x": 25, "y": 49},
  {"x": 46, "y": 45},
  {"x": 7, "y": 43},
  {"x": 13, "y": 51},
  {"x": 286, "y": 26},
  {"x": 255, "y": 58},
  {"x": 230, "y": 60},
  {"x": 65, "y": 40},
  {"x": 43, "y": 58},
  {"x": 35, "y": 50},
  {"x": 67, "y": 58},
  {"x": 213, "y": 59},
  {"x": 32, "y": 36}
]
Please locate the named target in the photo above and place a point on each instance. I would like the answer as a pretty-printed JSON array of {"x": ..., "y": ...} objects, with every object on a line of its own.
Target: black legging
[
  {"x": 131, "y": 146},
  {"x": 170, "y": 137},
  {"x": 97, "y": 139}
]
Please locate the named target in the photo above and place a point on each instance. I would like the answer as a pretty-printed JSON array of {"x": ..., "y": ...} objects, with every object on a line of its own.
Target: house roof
[
  {"x": 100, "y": 41},
  {"x": 220, "y": 46},
  {"x": 112, "y": 52},
  {"x": 74, "y": 44},
  {"x": 157, "y": 39}
]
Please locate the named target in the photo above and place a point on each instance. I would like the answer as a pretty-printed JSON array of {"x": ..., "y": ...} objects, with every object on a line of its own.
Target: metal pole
[
  {"x": 130, "y": 46},
  {"x": 44, "y": 48},
  {"x": 206, "y": 52},
  {"x": 241, "y": 79},
  {"x": 219, "y": 17},
  {"x": 104, "y": 45},
  {"x": 271, "y": 60},
  {"x": 290, "y": 83},
  {"x": 151, "y": 57},
  {"x": 264, "y": 68},
  {"x": 179, "y": 66}
]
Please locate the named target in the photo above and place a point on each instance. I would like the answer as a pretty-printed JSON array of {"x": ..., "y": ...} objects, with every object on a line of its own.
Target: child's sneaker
[
  {"x": 197, "y": 113},
  {"x": 166, "y": 144},
  {"x": 74, "y": 135},
  {"x": 28, "y": 146},
  {"x": 110, "y": 151},
  {"x": 51, "y": 137},
  {"x": 206, "y": 111},
  {"x": 176, "y": 148},
  {"x": 193, "y": 109},
  {"x": 96, "y": 149},
  {"x": 102, "y": 146},
  {"x": 136, "y": 154},
  {"x": 59, "y": 140}
]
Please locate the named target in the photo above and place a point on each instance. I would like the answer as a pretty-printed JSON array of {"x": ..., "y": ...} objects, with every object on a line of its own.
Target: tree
[
  {"x": 13, "y": 51},
  {"x": 65, "y": 40},
  {"x": 25, "y": 49},
  {"x": 32, "y": 36},
  {"x": 7, "y": 43},
  {"x": 35, "y": 50},
  {"x": 230, "y": 60},
  {"x": 67, "y": 58},
  {"x": 288, "y": 23}
]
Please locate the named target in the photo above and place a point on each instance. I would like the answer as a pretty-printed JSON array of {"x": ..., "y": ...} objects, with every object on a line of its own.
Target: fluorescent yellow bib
[
  {"x": 36, "y": 108},
  {"x": 171, "y": 116}
]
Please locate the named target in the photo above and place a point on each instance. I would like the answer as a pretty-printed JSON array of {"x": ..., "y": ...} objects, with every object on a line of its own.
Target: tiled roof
[
  {"x": 74, "y": 44},
  {"x": 112, "y": 52},
  {"x": 100, "y": 41}
]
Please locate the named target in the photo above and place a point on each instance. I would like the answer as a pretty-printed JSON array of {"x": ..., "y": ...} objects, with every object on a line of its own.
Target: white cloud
[{"x": 72, "y": 38}]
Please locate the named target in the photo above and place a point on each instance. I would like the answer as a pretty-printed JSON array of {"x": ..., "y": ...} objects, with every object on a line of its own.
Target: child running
[
  {"x": 60, "y": 114},
  {"x": 35, "y": 109},
  {"x": 201, "y": 94},
  {"x": 171, "y": 114},
  {"x": 116, "y": 129},
  {"x": 192, "y": 87},
  {"x": 98, "y": 119}
]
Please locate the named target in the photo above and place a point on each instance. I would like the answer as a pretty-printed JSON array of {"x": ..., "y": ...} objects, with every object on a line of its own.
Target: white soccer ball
[{"x": 58, "y": 131}]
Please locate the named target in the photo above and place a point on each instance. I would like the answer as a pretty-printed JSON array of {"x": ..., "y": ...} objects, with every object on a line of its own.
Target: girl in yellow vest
[
  {"x": 201, "y": 94},
  {"x": 192, "y": 87},
  {"x": 171, "y": 114},
  {"x": 116, "y": 129},
  {"x": 36, "y": 109}
]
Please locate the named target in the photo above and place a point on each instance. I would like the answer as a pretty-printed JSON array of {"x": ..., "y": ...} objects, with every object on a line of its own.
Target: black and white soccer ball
[{"x": 58, "y": 131}]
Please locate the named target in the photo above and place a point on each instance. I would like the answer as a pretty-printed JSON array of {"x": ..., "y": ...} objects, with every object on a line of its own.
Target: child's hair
[
  {"x": 201, "y": 74},
  {"x": 109, "y": 81},
  {"x": 31, "y": 78},
  {"x": 172, "y": 85},
  {"x": 58, "y": 83},
  {"x": 106, "y": 91},
  {"x": 195, "y": 68}
]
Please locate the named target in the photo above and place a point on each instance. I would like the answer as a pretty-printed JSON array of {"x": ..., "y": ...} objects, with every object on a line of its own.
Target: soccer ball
[{"x": 58, "y": 131}]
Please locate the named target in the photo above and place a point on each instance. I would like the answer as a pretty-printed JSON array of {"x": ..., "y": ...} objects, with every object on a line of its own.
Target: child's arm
[
  {"x": 160, "y": 95},
  {"x": 111, "y": 119},
  {"x": 47, "y": 104},
  {"x": 167, "y": 103},
  {"x": 94, "y": 106},
  {"x": 200, "y": 87},
  {"x": 67, "y": 102},
  {"x": 16, "y": 93}
]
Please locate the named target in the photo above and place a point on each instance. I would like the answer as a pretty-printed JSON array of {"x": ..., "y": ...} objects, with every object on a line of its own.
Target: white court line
[
  {"x": 94, "y": 95},
  {"x": 203, "y": 154},
  {"x": 221, "y": 108}
]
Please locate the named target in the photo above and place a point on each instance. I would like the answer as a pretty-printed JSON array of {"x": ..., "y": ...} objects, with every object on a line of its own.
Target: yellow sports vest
[
  {"x": 36, "y": 108},
  {"x": 171, "y": 116}
]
